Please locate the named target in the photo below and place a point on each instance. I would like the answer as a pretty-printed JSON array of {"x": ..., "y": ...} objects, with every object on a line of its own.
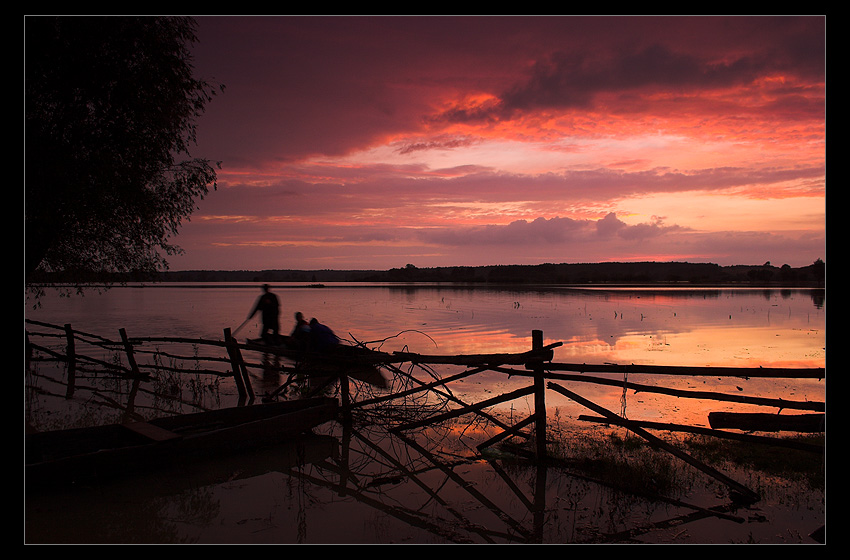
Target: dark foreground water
[{"x": 366, "y": 485}]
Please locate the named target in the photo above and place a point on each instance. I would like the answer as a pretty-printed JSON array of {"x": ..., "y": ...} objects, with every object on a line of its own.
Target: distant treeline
[{"x": 591, "y": 273}]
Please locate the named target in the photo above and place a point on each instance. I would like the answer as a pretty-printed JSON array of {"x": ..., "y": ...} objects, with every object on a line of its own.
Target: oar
[{"x": 239, "y": 328}]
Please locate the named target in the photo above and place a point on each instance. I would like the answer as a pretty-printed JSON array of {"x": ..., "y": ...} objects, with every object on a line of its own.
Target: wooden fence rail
[
  {"x": 536, "y": 364},
  {"x": 131, "y": 348},
  {"x": 786, "y": 373}
]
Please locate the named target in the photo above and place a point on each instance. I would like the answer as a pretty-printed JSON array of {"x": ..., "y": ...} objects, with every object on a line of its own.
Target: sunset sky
[{"x": 374, "y": 142}]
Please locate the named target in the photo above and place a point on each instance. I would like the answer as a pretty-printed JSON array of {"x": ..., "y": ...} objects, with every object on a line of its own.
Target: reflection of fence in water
[
  {"x": 404, "y": 407},
  {"x": 96, "y": 357},
  {"x": 517, "y": 498}
]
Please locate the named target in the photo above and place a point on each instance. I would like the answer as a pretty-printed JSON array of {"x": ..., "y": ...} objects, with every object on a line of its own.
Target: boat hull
[
  {"x": 84, "y": 454},
  {"x": 355, "y": 362}
]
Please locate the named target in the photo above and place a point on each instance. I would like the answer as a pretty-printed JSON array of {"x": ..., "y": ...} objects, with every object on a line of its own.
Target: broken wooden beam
[
  {"x": 544, "y": 354},
  {"x": 785, "y": 373},
  {"x": 767, "y": 422}
]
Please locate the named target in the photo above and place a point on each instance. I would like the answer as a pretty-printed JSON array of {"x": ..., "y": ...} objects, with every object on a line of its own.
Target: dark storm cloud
[{"x": 575, "y": 77}]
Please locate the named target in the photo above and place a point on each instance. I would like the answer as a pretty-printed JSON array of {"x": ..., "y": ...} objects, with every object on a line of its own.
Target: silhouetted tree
[
  {"x": 819, "y": 270},
  {"x": 110, "y": 106}
]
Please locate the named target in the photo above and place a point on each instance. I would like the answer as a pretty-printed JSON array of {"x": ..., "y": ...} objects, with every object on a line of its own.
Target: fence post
[
  {"x": 128, "y": 348},
  {"x": 239, "y": 374},
  {"x": 72, "y": 360},
  {"x": 539, "y": 396},
  {"x": 246, "y": 379}
]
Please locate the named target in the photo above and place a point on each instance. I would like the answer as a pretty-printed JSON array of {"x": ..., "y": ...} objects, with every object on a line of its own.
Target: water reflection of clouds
[
  {"x": 670, "y": 326},
  {"x": 688, "y": 328},
  {"x": 685, "y": 328}
]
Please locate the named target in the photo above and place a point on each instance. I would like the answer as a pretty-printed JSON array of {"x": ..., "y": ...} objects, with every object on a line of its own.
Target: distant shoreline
[{"x": 646, "y": 274}]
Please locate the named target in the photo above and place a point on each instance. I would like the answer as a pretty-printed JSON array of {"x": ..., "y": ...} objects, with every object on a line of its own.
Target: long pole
[{"x": 239, "y": 328}]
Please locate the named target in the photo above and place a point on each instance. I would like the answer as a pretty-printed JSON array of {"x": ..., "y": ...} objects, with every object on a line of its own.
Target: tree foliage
[{"x": 110, "y": 105}]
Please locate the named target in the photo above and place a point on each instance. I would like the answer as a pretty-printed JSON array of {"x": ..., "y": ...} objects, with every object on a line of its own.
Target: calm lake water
[
  {"x": 737, "y": 327},
  {"x": 662, "y": 326},
  {"x": 718, "y": 327}
]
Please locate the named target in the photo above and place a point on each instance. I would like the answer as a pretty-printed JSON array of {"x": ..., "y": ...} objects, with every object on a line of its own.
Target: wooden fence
[{"x": 536, "y": 364}]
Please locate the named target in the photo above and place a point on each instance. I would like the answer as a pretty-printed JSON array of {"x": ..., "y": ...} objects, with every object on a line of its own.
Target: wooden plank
[
  {"x": 539, "y": 354},
  {"x": 685, "y": 393},
  {"x": 666, "y": 426},
  {"x": 766, "y": 422},
  {"x": 786, "y": 373}
]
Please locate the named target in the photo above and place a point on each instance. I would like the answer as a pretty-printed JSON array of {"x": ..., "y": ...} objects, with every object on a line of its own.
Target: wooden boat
[
  {"x": 83, "y": 454},
  {"x": 355, "y": 361},
  {"x": 82, "y": 513}
]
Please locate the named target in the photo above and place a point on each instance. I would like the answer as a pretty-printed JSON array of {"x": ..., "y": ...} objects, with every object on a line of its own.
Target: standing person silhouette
[{"x": 269, "y": 308}]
